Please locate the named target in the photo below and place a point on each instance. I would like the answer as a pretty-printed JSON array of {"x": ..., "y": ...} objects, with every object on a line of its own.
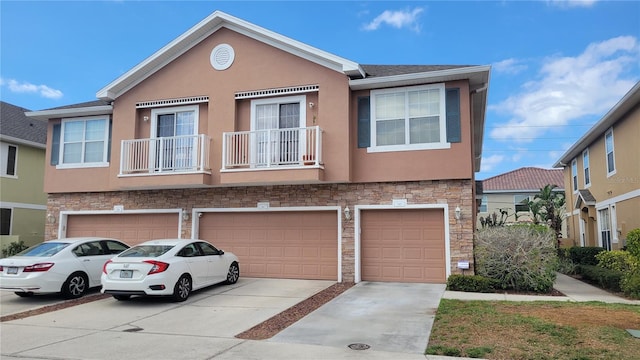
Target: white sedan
[
  {"x": 172, "y": 267},
  {"x": 70, "y": 266}
]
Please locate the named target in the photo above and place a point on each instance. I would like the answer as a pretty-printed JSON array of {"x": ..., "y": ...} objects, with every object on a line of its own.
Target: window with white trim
[
  {"x": 8, "y": 160},
  {"x": 174, "y": 130},
  {"x": 521, "y": 203},
  {"x": 408, "y": 118},
  {"x": 574, "y": 175},
  {"x": 484, "y": 206},
  {"x": 585, "y": 167},
  {"x": 277, "y": 123},
  {"x": 611, "y": 163},
  {"x": 84, "y": 142}
]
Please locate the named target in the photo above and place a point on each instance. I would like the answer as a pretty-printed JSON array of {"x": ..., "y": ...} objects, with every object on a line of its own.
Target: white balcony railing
[
  {"x": 272, "y": 148},
  {"x": 165, "y": 154}
]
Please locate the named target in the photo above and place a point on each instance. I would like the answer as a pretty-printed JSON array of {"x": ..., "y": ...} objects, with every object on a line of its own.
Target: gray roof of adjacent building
[{"x": 15, "y": 126}]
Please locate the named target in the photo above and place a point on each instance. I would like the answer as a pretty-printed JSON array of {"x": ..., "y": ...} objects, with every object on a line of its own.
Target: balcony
[
  {"x": 292, "y": 155},
  {"x": 165, "y": 155}
]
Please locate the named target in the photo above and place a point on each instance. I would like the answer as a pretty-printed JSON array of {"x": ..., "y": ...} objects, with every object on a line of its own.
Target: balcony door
[
  {"x": 277, "y": 131},
  {"x": 174, "y": 138}
]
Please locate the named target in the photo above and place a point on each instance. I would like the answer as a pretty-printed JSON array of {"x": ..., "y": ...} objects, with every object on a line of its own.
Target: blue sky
[{"x": 557, "y": 66}]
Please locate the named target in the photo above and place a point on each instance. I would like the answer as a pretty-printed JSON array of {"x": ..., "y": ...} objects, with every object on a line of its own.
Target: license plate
[
  {"x": 126, "y": 274},
  {"x": 12, "y": 270}
]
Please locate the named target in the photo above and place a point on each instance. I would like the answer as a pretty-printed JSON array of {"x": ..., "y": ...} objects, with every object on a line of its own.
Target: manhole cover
[{"x": 359, "y": 346}]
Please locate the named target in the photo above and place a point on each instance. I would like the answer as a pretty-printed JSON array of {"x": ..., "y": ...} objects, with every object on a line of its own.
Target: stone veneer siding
[{"x": 451, "y": 192}]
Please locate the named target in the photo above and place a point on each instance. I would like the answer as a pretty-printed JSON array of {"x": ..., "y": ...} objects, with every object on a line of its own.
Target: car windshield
[
  {"x": 146, "y": 251},
  {"x": 44, "y": 249}
]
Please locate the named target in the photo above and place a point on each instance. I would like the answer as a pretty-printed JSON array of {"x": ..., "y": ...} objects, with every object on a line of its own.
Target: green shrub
[
  {"x": 566, "y": 266},
  {"x": 470, "y": 283},
  {"x": 630, "y": 285},
  {"x": 604, "y": 278},
  {"x": 633, "y": 242},
  {"x": 13, "y": 248},
  {"x": 616, "y": 260},
  {"x": 585, "y": 255},
  {"x": 517, "y": 257}
]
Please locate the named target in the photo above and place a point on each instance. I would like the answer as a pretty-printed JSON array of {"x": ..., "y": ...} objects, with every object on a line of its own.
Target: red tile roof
[{"x": 526, "y": 178}]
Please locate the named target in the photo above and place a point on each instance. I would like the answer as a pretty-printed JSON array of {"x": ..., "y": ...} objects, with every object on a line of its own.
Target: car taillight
[
  {"x": 104, "y": 267},
  {"x": 158, "y": 266},
  {"x": 38, "y": 267},
  {"x": 1, "y": 268}
]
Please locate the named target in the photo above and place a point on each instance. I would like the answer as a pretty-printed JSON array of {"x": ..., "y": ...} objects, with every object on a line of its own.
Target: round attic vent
[{"x": 222, "y": 57}]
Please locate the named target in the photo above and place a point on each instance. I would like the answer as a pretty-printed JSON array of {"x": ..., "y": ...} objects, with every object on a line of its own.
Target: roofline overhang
[
  {"x": 19, "y": 141},
  {"x": 205, "y": 28},
  {"x": 70, "y": 112},
  {"x": 518, "y": 191},
  {"x": 628, "y": 102}
]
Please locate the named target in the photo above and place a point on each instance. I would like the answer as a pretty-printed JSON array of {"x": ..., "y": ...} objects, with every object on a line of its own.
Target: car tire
[
  {"x": 233, "y": 274},
  {"x": 182, "y": 289},
  {"x": 24, "y": 293},
  {"x": 122, "y": 297},
  {"x": 76, "y": 286}
]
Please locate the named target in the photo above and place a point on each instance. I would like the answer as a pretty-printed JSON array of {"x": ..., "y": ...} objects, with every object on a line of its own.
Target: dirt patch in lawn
[
  {"x": 535, "y": 330},
  {"x": 281, "y": 321}
]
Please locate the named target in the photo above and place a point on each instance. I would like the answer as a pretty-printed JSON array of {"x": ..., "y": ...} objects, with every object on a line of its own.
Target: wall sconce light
[
  {"x": 347, "y": 213},
  {"x": 51, "y": 219},
  {"x": 185, "y": 215},
  {"x": 311, "y": 105},
  {"x": 458, "y": 213},
  {"x": 145, "y": 118}
]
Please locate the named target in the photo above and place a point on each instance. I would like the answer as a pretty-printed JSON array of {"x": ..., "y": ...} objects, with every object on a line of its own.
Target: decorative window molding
[
  {"x": 84, "y": 142},
  {"x": 277, "y": 91},
  {"x": 610, "y": 152},
  {"x": 8, "y": 160},
  {"x": 586, "y": 168},
  {"x": 574, "y": 175},
  {"x": 171, "y": 102}
]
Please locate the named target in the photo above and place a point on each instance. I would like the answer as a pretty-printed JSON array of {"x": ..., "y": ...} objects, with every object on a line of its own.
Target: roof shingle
[
  {"x": 14, "y": 123},
  {"x": 526, "y": 178}
]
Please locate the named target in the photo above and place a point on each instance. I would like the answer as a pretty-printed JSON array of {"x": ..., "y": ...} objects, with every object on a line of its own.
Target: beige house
[
  {"x": 602, "y": 177},
  {"x": 512, "y": 191},
  {"x": 304, "y": 164},
  {"x": 23, "y": 202}
]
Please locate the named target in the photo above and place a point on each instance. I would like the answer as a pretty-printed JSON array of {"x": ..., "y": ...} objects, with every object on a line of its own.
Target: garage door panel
[
  {"x": 403, "y": 245},
  {"x": 130, "y": 228},
  {"x": 281, "y": 244}
]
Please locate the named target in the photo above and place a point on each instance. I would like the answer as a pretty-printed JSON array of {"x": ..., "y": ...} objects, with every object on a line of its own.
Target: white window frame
[
  {"x": 300, "y": 99},
  {"x": 105, "y": 149},
  {"x": 574, "y": 175},
  {"x": 586, "y": 168},
  {"x": 4, "y": 158},
  {"x": 613, "y": 153},
  {"x": 171, "y": 110},
  {"x": 516, "y": 203},
  {"x": 442, "y": 144},
  {"x": 484, "y": 203}
]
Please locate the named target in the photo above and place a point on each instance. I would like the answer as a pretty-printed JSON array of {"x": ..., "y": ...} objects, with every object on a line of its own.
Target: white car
[
  {"x": 70, "y": 266},
  {"x": 172, "y": 267}
]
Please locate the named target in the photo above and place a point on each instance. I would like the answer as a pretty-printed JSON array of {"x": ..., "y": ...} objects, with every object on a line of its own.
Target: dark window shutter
[
  {"x": 453, "y": 115},
  {"x": 364, "y": 122},
  {"x": 11, "y": 160},
  {"x": 55, "y": 144},
  {"x": 109, "y": 141}
]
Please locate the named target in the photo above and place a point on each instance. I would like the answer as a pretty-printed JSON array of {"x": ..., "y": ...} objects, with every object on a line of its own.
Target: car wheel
[
  {"x": 24, "y": 293},
  {"x": 122, "y": 297},
  {"x": 233, "y": 274},
  {"x": 76, "y": 286},
  {"x": 182, "y": 289}
]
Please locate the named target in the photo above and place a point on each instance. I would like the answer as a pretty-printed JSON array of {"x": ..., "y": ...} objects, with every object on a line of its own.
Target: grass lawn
[{"x": 535, "y": 330}]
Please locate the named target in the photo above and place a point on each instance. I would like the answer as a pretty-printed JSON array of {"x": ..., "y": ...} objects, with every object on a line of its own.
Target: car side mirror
[{"x": 220, "y": 252}]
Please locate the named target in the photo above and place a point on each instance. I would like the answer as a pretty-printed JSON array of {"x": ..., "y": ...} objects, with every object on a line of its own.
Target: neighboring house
[
  {"x": 305, "y": 164},
  {"x": 602, "y": 177},
  {"x": 23, "y": 202},
  {"x": 512, "y": 191}
]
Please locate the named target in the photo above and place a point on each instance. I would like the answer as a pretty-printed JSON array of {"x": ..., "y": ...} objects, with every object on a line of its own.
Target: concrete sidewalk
[{"x": 574, "y": 290}]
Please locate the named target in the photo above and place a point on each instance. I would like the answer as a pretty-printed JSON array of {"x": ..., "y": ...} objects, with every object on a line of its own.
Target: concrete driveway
[
  {"x": 204, "y": 327},
  {"x": 395, "y": 317}
]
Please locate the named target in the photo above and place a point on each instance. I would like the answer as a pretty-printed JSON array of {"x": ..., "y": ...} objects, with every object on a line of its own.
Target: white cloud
[
  {"x": 25, "y": 87},
  {"x": 397, "y": 19},
  {"x": 572, "y": 3},
  {"x": 509, "y": 66},
  {"x": 490, "y": 162},
  {"x": 569, "y": 88}
]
